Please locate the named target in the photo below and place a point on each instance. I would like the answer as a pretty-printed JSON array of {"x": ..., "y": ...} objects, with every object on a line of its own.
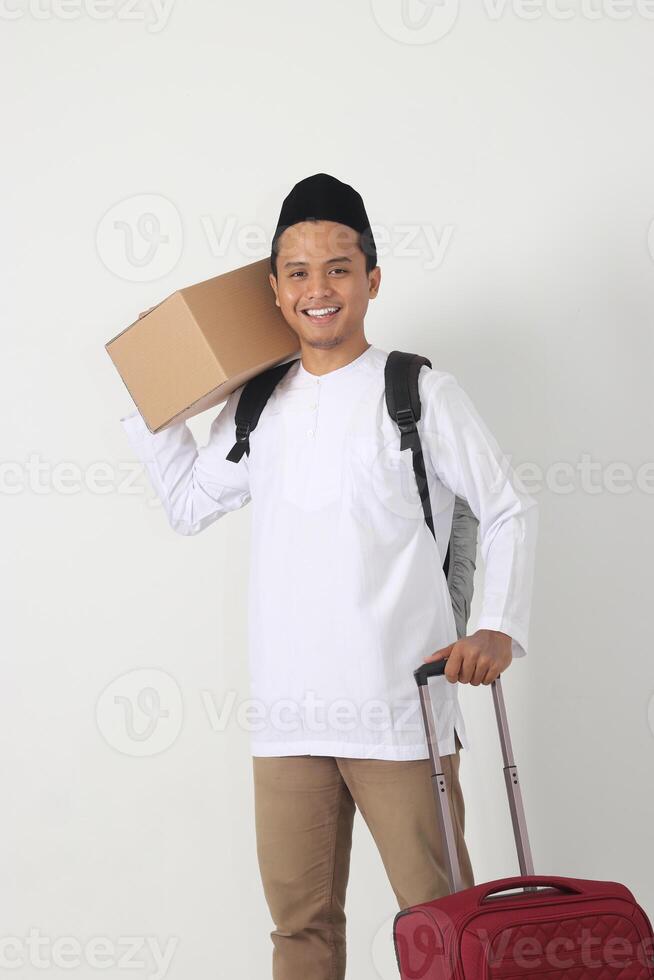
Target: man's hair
[{"x": 371, "y": 257}]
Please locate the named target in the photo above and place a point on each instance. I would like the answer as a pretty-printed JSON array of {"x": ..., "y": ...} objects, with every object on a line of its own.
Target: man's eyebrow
[{"x": 339, "y": 258}]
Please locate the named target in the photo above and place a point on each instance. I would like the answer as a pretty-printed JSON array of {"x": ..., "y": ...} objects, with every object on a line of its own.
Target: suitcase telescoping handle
[{"x": 422, "y": 675}]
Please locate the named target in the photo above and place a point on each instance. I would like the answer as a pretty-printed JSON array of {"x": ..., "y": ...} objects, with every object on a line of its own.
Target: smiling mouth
[{"x": 321, "y": 314}]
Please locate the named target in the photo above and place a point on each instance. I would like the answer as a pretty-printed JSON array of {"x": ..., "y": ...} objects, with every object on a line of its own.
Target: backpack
[{"x": 403, "y": 405}]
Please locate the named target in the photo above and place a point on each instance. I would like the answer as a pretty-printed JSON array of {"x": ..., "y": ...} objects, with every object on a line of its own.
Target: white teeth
[{"x": 323, "y": 312}]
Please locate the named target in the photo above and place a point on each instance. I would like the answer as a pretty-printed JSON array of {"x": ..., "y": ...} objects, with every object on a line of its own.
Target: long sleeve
[
  {"x": 468, "y": 461},
  {"x": 196, "y": 486}
]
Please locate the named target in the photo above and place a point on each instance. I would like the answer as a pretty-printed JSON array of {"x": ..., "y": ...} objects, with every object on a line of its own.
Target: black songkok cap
[{"x": 325, "y": 198}]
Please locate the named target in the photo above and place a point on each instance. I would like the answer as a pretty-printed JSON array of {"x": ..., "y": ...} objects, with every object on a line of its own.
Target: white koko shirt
[{"x": 347, "y": 592}]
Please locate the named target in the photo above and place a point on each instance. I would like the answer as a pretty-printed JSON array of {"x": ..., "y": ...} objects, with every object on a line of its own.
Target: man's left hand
[{"x": 476, "y": 659}]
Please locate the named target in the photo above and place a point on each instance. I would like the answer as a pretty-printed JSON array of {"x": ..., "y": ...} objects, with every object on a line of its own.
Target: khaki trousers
[{"x": 304, "y": 812}]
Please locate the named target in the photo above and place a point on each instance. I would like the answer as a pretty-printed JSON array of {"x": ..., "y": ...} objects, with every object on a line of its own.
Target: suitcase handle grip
[
  {"x": 433, "y": 669},
  {"x": 528, "y": 881}
]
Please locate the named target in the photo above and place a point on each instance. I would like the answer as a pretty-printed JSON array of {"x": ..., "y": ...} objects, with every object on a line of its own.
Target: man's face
[{"x": 320, "y": 267}]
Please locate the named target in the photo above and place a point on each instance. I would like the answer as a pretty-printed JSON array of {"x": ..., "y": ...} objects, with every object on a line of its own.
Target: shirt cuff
[
  {"x": 139, "y": 436},
  {"x": 131, "y": 415},
  {"x": 517, "y": 634}
]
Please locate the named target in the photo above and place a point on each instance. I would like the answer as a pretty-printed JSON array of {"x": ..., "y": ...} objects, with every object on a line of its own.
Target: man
[{"x": 347, "y": 591}]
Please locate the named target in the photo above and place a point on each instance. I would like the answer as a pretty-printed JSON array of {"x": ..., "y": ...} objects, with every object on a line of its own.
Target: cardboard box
[{"x": 199, "y": 344}]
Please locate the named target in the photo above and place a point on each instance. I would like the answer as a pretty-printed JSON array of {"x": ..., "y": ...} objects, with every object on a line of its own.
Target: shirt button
[{"x": 309, "y": 432}]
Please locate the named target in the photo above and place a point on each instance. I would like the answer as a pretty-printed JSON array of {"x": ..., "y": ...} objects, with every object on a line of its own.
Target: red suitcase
[{"x": 549, "y": 927}]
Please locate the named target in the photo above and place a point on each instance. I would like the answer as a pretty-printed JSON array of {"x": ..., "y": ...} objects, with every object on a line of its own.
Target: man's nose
[{"x": 318, "y": 286}]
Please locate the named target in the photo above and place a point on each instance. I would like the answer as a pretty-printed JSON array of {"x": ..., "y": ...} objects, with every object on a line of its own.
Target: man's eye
[{"x": 301, "y": 272}]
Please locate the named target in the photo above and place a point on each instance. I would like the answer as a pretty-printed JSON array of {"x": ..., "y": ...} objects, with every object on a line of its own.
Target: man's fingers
[
  {"x": 468, "y": 669},
  {"x": 468, "y": 662},
  {"x": 491, "y": 675},
  {"x": 481, "y": 671},
  {"x": 453, "y": 666}
]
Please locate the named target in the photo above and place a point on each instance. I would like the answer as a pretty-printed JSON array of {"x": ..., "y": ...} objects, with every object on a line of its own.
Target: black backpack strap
[
  {"x": 251, "y": 404},
  {"x": 403, "y": 404}
]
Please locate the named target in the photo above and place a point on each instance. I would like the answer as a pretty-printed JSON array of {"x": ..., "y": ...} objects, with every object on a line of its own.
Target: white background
[{"x": 523, "y": 139}]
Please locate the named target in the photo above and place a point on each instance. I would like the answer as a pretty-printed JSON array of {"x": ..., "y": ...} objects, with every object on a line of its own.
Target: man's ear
[
  {"x": 374, "y": 278},
  {"x": 273, "y": 283}
]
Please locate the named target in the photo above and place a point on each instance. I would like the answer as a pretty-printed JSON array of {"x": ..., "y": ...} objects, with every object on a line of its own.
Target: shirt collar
[{"x": 304, "y": 375}]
